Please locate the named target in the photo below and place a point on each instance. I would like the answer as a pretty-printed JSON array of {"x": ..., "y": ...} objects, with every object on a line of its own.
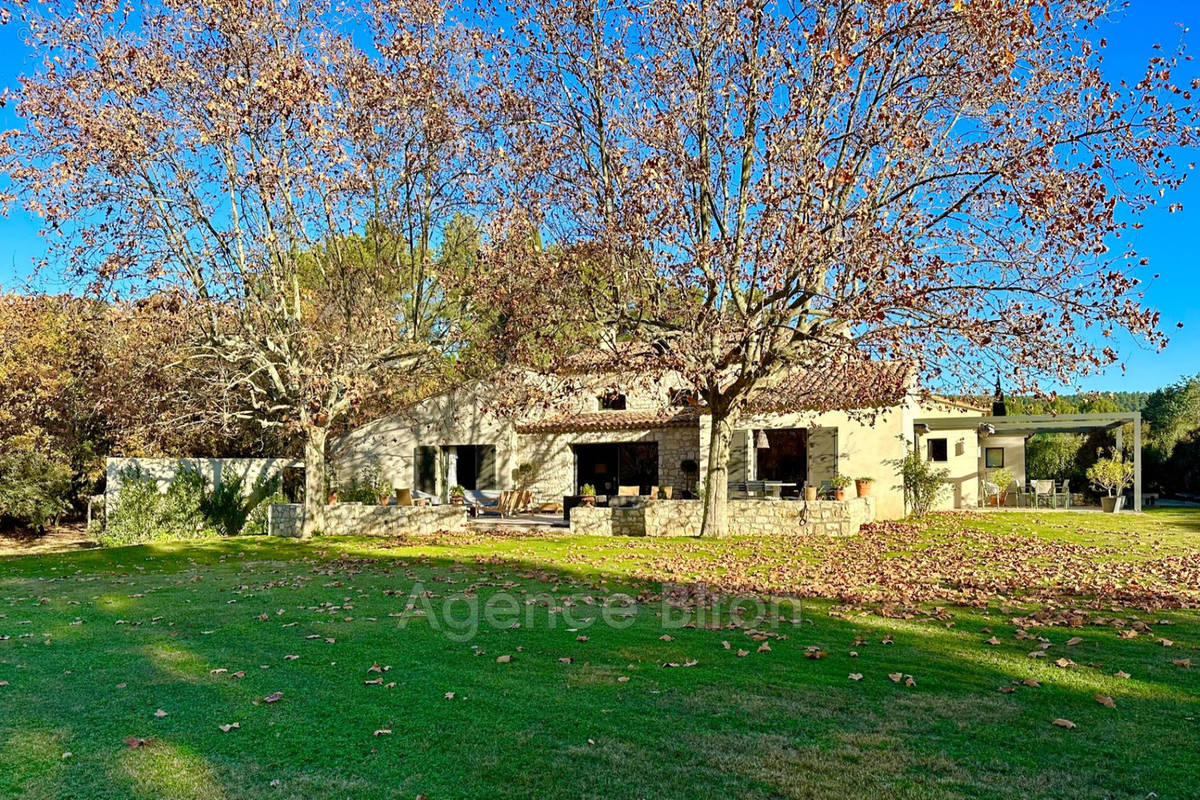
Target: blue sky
[{"x": 1170, "y": 241}]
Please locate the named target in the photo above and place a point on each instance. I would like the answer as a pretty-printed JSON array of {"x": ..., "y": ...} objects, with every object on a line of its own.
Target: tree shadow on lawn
[{"x": 766, "y": 724}]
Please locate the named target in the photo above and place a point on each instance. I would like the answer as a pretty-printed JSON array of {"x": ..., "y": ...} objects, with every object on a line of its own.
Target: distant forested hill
[{"x": 1071, "y": 403}]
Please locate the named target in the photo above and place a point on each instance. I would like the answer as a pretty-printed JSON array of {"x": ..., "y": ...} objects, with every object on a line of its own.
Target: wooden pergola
[{"x": 1030, "y": 424}]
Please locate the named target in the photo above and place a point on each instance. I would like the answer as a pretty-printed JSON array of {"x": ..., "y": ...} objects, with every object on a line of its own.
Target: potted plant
[
  {"x": 863, "y": 486},
  {"x": 587, "y": 493},
  {"x": 383, "y": 492},
  {"x": 810, "y": 493},
  {"x": 840, "y": 483},
  {"x": 458, "y": 495},
  {"x": 1113, "y": 475},
  {"x": 1003, "y": 478}
]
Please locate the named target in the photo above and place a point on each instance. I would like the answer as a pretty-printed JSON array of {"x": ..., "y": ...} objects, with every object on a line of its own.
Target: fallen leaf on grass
[
  {"x": 375, "y": 682},
  {"x": 855, "y": 676},
  {"x": 1033, "y": 683},
  {"x": 1064, "y": 723},
  {"x": 666, "y": 637},
  {"x": 135, "y": 742},
  {"x": 743, "y": 653},
  {"x": 218, "y": 671},
  {"x": 1182, "y": 663},
  {"x": 726, "y": 645},
  {"x": 992, "y": 641},
  {"x": 623, "y": 679},
  {"x": 503, "y": 659},
  {"x": 1064, "y": 663},
  {"x": 1120, "y": 674},
  {"x": 581, "y": 638},
  {"x": 813, "y": 652},
  {"x": 764, "y": 648},
  {"x": 160, "y": 713},
  {"x": 1006, "y": 689},
  {"x": 689, "y": 663},
  {"x": 290, "y": 657},
  {"x": 1104, "y": 700},
  {"x": 383, "y": 732},
  {"x": 449, "y": 695},
  {"x": 273, "y": 698},
  {"x": 1074, "y": 640},
  {"x": 239, "y": 674},
  {"x": 1166, "y": 642},
  {"x": 566, "y": 660},
  {"x": 895, "y": 676},
  {"x": 230, "y": 726}
]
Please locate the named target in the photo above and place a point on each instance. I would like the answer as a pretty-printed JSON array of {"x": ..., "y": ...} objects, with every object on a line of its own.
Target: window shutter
[
  {"x": 739, "y": 468},
  {"x": 485, "y": 473},
  {"x": 425, "y": 469}
]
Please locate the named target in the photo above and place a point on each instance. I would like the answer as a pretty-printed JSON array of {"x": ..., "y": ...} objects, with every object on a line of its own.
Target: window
[
  {"x": 993, "y": 458},
  {"x": 612, "y": 402},
  {"x": 938, "y": 450}
]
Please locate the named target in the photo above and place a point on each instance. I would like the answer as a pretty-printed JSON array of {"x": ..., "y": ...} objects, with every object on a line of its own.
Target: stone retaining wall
[
  {"x": 746, "y": 518},
  {"x": 357, "y": 519}
]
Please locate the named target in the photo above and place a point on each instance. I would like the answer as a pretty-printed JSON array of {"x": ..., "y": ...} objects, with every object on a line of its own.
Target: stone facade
[
  {"x": 746, "y": 518},
  {"x": 357, "y": 519}
]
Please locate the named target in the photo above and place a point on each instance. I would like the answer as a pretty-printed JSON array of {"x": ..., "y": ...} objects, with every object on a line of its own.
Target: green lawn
[{"x": 94, "y": 643}]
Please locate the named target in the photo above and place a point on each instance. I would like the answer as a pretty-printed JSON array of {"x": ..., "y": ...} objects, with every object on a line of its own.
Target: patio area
[{"x": 1029, "y": 492}]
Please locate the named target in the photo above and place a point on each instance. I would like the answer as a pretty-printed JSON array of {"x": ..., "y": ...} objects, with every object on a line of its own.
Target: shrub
[
  {"x": 256, "y": 522},
  {"x": 840, "y": 481},
  {"x": 227, "y": 506},
  {"x": 190, "y": 508},
  {"x": 141, "y": 513},
  {"x": 34, "y": 490},
  {"x": 923, "y": 484},
  {"x": 1113, "y": 475},
  {"x": 1003, "y": 478}
]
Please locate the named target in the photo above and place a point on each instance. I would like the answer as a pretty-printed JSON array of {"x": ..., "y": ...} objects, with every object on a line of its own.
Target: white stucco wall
[
  {"x": 1014, "y": 455},
  {"x": 457, "y": 417},
  {"x": 164, "y": 470}
]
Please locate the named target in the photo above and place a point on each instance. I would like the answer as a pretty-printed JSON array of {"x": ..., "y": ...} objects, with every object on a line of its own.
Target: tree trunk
[
  {"x": 314, "y": 481},
  {"x": 716, "y": 482}
]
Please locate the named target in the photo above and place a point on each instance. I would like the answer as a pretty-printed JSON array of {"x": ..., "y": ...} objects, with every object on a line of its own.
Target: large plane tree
[
  {"x": 292, "y": 171},
  {"x": 773, "y": 189}
]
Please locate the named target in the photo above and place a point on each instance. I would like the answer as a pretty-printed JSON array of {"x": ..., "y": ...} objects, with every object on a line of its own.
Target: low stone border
[
  {"x": 746, "y": 518},
  {"x": 357, "y": 519}
]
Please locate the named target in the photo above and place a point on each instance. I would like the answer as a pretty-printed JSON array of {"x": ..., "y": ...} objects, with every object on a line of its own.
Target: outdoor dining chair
[{"x": 1042, "y": 490}]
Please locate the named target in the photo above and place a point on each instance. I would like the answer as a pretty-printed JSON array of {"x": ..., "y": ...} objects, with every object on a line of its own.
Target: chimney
[{"x": 999, "y": 409}]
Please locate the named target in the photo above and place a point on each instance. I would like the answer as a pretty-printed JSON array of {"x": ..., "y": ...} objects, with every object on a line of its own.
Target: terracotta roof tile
[
  {"x": 613, "y": 421},
  {"x": 862, "y": 385}
]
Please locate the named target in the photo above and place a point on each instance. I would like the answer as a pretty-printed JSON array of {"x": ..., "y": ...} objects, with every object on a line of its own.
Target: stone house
[{"x": 629, "y": 432}]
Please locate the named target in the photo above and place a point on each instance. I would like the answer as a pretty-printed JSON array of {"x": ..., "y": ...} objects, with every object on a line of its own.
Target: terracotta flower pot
[
  {"x": 839, "y": 494},
  {"x": 332, "y": 498},
  {"x": 588, "y": 500},
  {"x": 863, "y": 488},
  {"x": 456, "y": 500},
  {"x": 810, "y": 493}
]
